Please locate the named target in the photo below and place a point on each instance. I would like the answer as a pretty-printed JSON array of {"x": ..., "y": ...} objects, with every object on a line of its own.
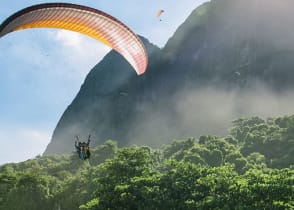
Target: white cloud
[
  {"x": 68, "y": 38},
  {"x": 20, "y": 144},
  {"x": 79, "y": 52}
]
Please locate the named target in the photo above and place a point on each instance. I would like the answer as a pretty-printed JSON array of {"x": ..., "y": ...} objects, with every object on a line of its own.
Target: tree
[{"x": 31, "y": 192}]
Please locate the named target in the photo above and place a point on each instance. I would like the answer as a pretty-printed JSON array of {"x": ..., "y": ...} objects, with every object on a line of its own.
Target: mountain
[
  {"x": 230, "y": 58},
  {"x": 105, "y": 92}
]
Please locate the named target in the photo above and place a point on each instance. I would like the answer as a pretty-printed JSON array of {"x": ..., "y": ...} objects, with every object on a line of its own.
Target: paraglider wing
[
  {"x": 159, "y": 13},
  {"x": 85, "y": 20}
]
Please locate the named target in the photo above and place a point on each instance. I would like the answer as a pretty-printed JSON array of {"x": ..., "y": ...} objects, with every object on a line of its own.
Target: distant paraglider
[
  {"x": 85, "y": 20},
  {"x": 159, "y": 13}
]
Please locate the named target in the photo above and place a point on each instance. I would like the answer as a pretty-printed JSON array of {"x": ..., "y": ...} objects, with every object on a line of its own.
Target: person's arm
[
  {"x": 76, "y": 145},
  {"x": 89, "y": 139},
  {"x": 77, "y": 137}
]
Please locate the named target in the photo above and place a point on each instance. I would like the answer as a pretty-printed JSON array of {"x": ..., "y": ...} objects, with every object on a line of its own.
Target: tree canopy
[{"x": 250, "y": 168}]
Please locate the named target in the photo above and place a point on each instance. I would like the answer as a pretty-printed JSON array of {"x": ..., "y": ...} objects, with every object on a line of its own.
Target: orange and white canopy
[{"x": 85, "y": 20}]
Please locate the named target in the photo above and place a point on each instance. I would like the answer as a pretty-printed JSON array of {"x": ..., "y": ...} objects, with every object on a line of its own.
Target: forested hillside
[{"x": 250, "y": 168}]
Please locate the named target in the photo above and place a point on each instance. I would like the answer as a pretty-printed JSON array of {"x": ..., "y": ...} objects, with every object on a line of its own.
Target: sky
[{"x": 42, "y": 69}]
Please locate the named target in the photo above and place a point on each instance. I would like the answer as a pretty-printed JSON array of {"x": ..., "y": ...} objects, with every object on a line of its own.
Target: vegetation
[{"x": 250, "y": 168}]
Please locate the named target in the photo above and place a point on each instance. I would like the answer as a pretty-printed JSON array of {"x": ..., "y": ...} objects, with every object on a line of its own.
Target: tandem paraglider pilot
[{"x": 83, "y": 148}]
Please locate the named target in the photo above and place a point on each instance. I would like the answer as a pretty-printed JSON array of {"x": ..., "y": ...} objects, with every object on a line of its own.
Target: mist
[{"x": 209, "y": 110}]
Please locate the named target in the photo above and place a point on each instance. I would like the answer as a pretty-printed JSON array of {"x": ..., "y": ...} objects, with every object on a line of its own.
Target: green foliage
[
  {"x": 251, "y": 168},
  {"x": 90, "y": 205},
  {"x": 103, "y": 152},
  {"x": 7, "y": 182},
  {"x": 30, "y": 191},
  {"x": 177, "y": 148}
]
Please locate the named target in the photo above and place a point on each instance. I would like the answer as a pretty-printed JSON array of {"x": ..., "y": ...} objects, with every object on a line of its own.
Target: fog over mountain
[{"x": 229, "y": 59}]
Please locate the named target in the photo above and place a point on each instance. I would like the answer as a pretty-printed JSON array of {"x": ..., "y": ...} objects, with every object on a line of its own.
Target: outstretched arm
[
  {"x": 77, "y": 137},
  {"x": 77, "y": 143},
  {"x": 89, "y": 139},
  {"x": 77, "y": 146}
]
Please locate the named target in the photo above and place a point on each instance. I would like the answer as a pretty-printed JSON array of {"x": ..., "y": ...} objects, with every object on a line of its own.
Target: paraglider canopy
[
  {"x": 159, "y": 13},
  {"x": 85, "y": 20}
]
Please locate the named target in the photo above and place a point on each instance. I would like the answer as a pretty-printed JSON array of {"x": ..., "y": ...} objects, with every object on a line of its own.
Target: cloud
[
  {"x": 208, "y": 110},
  {"x": 21, "y": 143},
  {"x": 68, "y": 38},
  {"x": 79, "y": 52}
]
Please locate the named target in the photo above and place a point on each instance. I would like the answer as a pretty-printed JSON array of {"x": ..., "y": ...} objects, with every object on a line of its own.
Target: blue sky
[{"x": 43, "y": 69}]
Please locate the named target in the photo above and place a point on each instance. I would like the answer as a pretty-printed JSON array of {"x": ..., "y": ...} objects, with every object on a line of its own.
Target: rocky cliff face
[
  {"x": 225, "y": 49},
  {"x": 103, "y": 105}
]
